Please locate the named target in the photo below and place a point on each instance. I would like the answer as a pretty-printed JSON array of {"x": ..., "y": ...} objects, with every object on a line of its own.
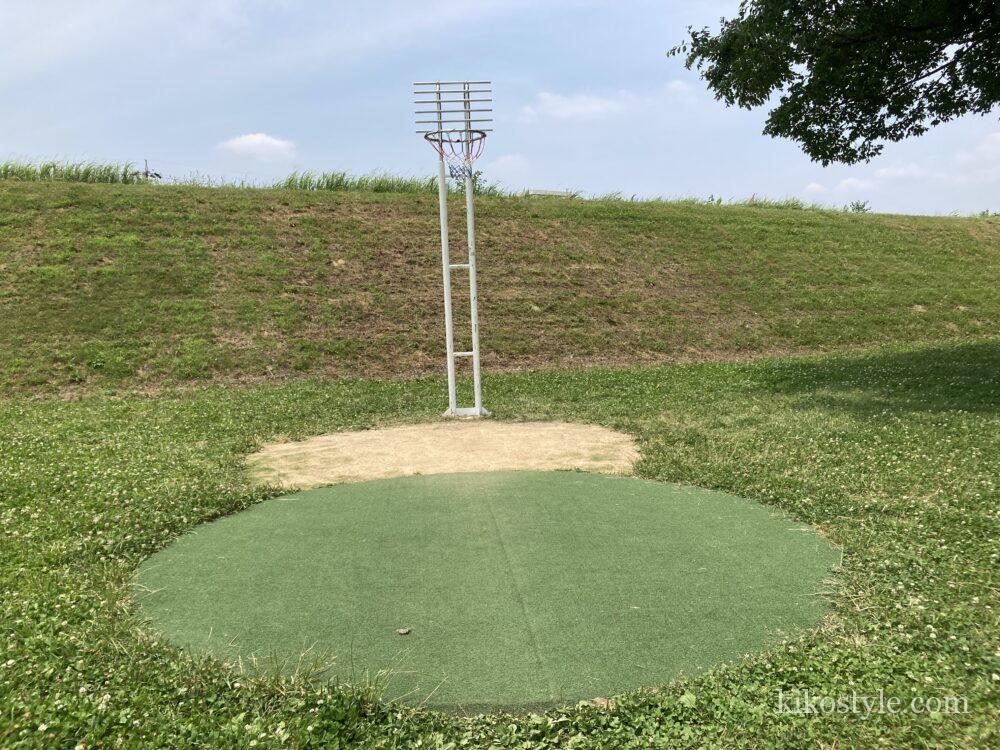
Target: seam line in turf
[{"x": 520, "y": 601}]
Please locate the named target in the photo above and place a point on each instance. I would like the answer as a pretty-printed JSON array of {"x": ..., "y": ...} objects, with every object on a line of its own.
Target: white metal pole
[
  {"x": 470, "y": 222},
  {"x": 449, "y": 330}
]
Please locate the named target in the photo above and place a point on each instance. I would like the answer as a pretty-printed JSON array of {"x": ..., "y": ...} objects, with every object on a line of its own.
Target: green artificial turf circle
[{"x": 519, "y": 589}]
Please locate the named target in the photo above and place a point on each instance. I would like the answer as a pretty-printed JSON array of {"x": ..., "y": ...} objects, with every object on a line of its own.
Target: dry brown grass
[{"x": 142, "y": 286}]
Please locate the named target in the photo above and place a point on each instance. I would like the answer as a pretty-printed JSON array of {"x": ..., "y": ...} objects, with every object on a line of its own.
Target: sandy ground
[{"x": 441, "y": 448}]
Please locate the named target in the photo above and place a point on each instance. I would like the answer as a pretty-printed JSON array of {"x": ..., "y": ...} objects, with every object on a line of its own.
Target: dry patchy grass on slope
[{"x": 140, "y": 285}]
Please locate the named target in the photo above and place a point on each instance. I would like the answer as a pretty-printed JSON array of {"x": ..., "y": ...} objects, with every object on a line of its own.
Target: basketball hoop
[
  {"x": 454, "y": 117},
  {"x": 459, "y": 149}
]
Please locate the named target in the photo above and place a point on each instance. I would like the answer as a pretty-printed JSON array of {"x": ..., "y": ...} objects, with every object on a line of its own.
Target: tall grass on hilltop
[
  {"x": 754, "y": 201},
  {"x": 127, "y": 173},
  {"x": 381, "y": 182},
  {"x": 84, "y": 171},
  {"x": 371, "y": 183}
]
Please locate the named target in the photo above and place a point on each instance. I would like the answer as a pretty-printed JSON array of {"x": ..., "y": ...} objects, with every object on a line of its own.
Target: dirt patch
[{"x": 444, "y": 447}]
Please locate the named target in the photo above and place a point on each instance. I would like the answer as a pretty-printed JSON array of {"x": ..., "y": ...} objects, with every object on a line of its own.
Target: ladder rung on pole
[
  {"x": 459, "y": 266},
  {"x": 463, "y": 354}
]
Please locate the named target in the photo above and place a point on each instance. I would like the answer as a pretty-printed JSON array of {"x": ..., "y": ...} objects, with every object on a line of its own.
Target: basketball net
[{"x": 459, "y": 149}]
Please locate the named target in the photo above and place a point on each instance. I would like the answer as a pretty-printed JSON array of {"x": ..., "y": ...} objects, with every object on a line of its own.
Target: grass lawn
[
  {"x": 146, "y": 286},
  {"x": 894, "y": 455}
]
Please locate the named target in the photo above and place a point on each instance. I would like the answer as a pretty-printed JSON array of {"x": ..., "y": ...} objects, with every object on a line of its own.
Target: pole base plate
[{"x": 466, "y": 412}]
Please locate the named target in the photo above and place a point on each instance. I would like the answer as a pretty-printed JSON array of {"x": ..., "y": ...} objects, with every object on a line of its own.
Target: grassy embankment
[
  {"x": 117, "y": 294},
  {"x": 144, "y": 285}
]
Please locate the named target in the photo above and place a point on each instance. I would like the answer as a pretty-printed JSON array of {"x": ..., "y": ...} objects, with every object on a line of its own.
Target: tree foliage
[{"x": 846, "y": 76}]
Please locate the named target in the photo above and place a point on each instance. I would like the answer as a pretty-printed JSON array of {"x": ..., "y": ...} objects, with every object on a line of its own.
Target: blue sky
[{"x": 586, "y": 98}]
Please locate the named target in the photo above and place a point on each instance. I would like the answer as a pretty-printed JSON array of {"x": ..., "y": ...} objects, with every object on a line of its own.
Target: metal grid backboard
[{"x": 453, "y": 106}]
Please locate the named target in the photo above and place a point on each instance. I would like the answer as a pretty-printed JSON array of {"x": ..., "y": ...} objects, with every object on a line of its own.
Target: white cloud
[
  {"x": 982, "y": 163},
  {"x": 259, "y": 146},
  {"x": 513, "y": 170},
  {"x": 548, "y": 106},
  {"x": 296, "y": 32},
  {"x": 815, "y": 188},
  {"x": 978, "y": 166},
  {"x": 855, "y": 185},
  {"x": 900, "y": 172},
  {"x": 989, "y": 147},
  {"x": 73, "y": 33}
]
